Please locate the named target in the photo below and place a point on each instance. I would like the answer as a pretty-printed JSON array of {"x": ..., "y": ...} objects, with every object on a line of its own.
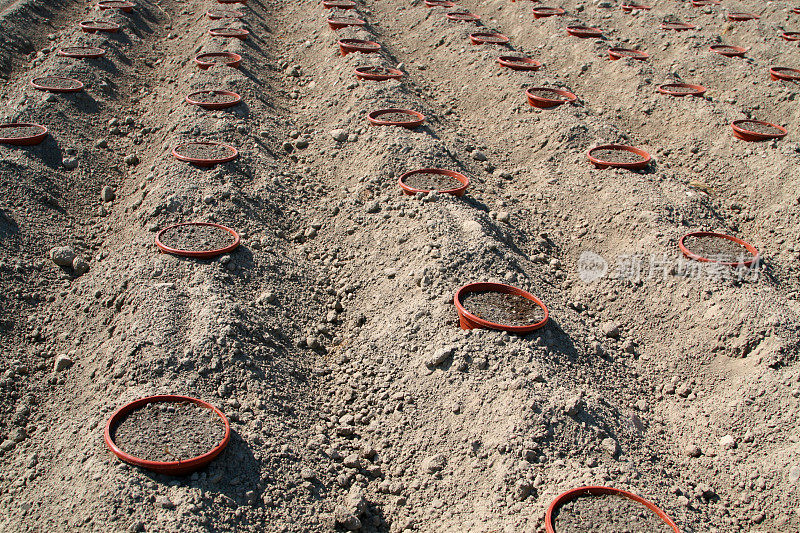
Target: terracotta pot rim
[
  {"x": 373, "y": 117},
  {"x": 393, "y": 73},
  {"x": 519, "y": 63},
  {"x": 734, "y": 51},
  {"x": 633, "y": 165},
  {"x": 52, "y": 89},
  {"x": 213, "y": 105},
  {"x": 205, "y": 162},
  {"x": 696, "y": 90},
  {"x": 239, "y": 33},
  {"x": 471, "y": 321},
  {"x": 86, "y": 26},
  {"x": 696, "y": 257},
  {"x": 622, "y": 53},
  {"x": 458, "y": 191},
  {"x": 23, "y": 141},
  {"x": 749, "y": 135},
  {"x": 479, "y": 37},
  {"x": 544, "y": 102},
  {"x": 235, "y": 59},
  {"x": 199, "y": 254}
]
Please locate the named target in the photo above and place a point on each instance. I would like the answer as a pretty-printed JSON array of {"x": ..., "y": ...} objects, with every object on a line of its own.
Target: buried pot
[
  {"x": 82, "y": 52},
  {"x": 348, "y": 46},
  {"x": 209, "y": 59},
  {"x": 439, "y": 3},
  {"x": 214, "y": 99},
  {"x": 627, "y": 53},
  {"x": 635, "y": 7},
  {"x": 441, "y": 180},
  {"x": 545, "y": 97},
  {"x": 739, "y": 16},
  {"x": 182, "y": 424},
  {"x": 619, "y": 156},
  {"x": 559, "y": 519},
  {"x": 217, "y": 14},
  {"x": 405, "y": 118},
  {"x": 499, "y": 306},
  {"x": 681, "y": 89},
  {"x": 757, "y": 130},
  {"x": 784, "y": 73},
  {"x": 201, "y": 240},
  {"x": 57, "y": 84},
  {"x": 541, "y": 12},
  {"x": 232, "y": 33},
  {"x": 377, "y": 73},
  {"x": 22, "y": 134},
  {"x": 728, "y": 50},
  {"x": 584, "y": 32},
  {"x": 205, "y": 154},
  {"x": 122, "y": 5},
  {"x": 338, "y": 23},
  {"x": 488, "y": 37},
  {"x": 677, "y": 26},
  {"x": 712, "y": 247},
  {"x": 791, "y": 35},
  {"x": 519, "y": 63},
  {"x": 462, "y": 16},
  {"x": 93, "y": 26}
]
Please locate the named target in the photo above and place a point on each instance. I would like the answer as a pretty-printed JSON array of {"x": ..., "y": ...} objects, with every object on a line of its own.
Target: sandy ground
[{"x": 330, "y": 338}]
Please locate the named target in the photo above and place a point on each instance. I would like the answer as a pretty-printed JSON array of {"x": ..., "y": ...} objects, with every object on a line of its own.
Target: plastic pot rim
[
  {"x": 471, "y": 321},
  {"x": 393, "y": 74},
  {"x": 240, "y": 33},
  {"x": 479, "y": 37},
  {"x": 791, "y": 35},
  {"x": 124, "y": 5},
  {"x": 543, "y": 102},
  {"x": 737, "y": 51},
  {"x": 691, "y": 255},
  {"x": 439, "y": 3},
  {"x": 545, "y": 11},
  {"x": 99, "y": 52},
  {"x": 373, "y": 117},
  {"x": 23, "y": 141},
  {"x": 347, "y": 46},
  {"x": 636, "y": 7},
  {"x": 352, "y": 22},
  {"x": 338, "y": 4},
  {"x": 519, "y": 63},
  {"x": 584, "y": 32},
  {"x": 166, "y": 467},
  {"x": 205, "y": 162},
  {"x": 570, "y": 495},
  {"x": 639, "y": 55},
  {"x": 213, "y": 105},
  {"x": 677, "y": 26},
  {"x": 463, "y": 16},
  {"x": 754, "y": 136},
  {"x": 199, "y": 254},
  {"x": 56, "y": 89},
  {"x": 634, "y": 165},
  {"x": 458, "y": 191},
  {"x": 86, "y": 26},
  {"x": 698, "y": 90},
  {"x": 776, "y": 75},
  {"x": 742, "y": 16},
  {"x": 235, "y": 59}
]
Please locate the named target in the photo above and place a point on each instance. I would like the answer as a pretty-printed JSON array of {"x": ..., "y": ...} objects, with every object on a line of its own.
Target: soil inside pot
[
  {"x": 428, "y": 181},
  {"x": 57, "y": 82},
  {"x": 608, "y": 513},
  {"x": 379, "y": 71},
  {"x": 787, "y": 72},
  {"x": 196, "y": 238},
  {"x": 717, "y": 249},
  {"x": 169, "y": 431},
  {"x": 397, "y": 117},
  {"x": 19, "y": 132},
  {"x": 757, "y": 127},
  {"x": 204, "y": 151},
  {"x": 213, "y": 97},
  {"x": 518, "y": 61},
  {"x": 549, "y": 94},
  {"x": 502, "y": 308},
  {"x": 616, "y": 156}
]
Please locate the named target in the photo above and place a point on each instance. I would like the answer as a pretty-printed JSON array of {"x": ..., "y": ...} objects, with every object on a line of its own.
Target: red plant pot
[
  {"x": 741, "y": 131},
  {"x": 519, "y": 63},
  {"x": 559, "y": 96},
  {"x": 28, "y": 140},
  {"x": 199, "y": 254},
  {"x": 45, "y": 84},
  {"x": 386, "y": 73},
  {"x": 677, "y": 26},
  {"x": 488, "y": 38},
  {"x": 541, "y": 12},
  {"x": 123, "y": 5},
  {"x": 696, "y": 257},
  {"x": 468, "y": 320},
  {"x": 728, "y": 50},
  {"x": 635, "y": 7},
  {"x": 217, "y": 14},
  {"x": 584, "y": 32},
  {"x": 439, "y": 3},
  {"x": 375, "y": 120},
  {"x": 94, "y": 26},
  {"x": 796, "y": 10},
  {"x": 205, "y": 61},
  {"x": 337, "y": 23},
  {"x": 784, "y": 73},
  {"x": 458, "y": 191},
  {"x": 232, "y": 33},
  {"x": 627, "y": 53},
  {"x": 233, "y": 153},
  {"x": 463, "y": 17},
  {"x": 348, "y": 46},
  {"x": 172, "y": 468},
  {"x": 791, "y": 35},
  {"x": 196, "y": 98},
  {"x": 338, "y": 4},
  {"x": 82, "y": 52},
  {"x": 630, "y": 165},
  {"x": 549, "y": 520},
  {"x": 738, "y": 17},
  {"x": 681, "y": 89}
]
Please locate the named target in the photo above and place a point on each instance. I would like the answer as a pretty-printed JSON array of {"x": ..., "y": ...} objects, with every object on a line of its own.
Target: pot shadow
[
  {"x": 8, "y": 226},
  {"x": 47, "y": 151},
  {"x": 102, "y": 63},
  {"x": 82, "y": 101}
]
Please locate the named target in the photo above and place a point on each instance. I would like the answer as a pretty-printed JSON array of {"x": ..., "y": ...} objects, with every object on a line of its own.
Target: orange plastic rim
[
  {"x": 233, "y": 59},
  {"x": 742, "y": 16},
  {"x": 627, "y": 53},
  {"x": 633, "y": 165},
  {"x": 199, "y": 254},
  {"x": 439, "y": 3},
  {"x": 728, "y": 50},
  {"x": 539, "y": 12},
  {"x": 681, "y": 89},
  {"x": 337, "y": 23},
  {"x": 90, "y": 26},
  {"x": 175, "y": 468},
  {"x": 374, "y": 118},
  {"x": 234, "y": 33},
  {"x": 363, "y": 73},
  {"x": 570, "y": 495},
  {"x": 194, "y": 99},
  {"x": 677, "y": 26},
  {"x": 40, "y": 84},
  {"x": 23, "y": 141},
  {"x": 791, "y": 35},
  {"x": 635, "y": 7},
  {"x": 691, "y": 255},
  {"x": 468, "y": 320},
  {"x": 234, "y": 153},
  {"x": 124, "y": 5},
  {"x": 347, "y": 46},
  {"x": 458, "y": 191},
  {"x": 488, "y": 38},
  {"x": 741, "y": 131},
  {"x": 338, "y": 4},
  {"x": 519, "y": 63},
  {"x": 784, "y": 73},
  {"x": 535, "y": 100},
  {"x": 584, "y": 31}
]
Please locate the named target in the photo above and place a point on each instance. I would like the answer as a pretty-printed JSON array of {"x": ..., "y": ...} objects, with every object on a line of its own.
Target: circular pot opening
[
  {"x": 791, "y": 35},
  {"x": 233, "y": 33},
  {"x": 463, "y": 17},
  {"x": 541, "y": 12},
  {"x": 499, "y": 306},
  {"x": 757, "y": 130},
  {"x": 584, "y": 32},
  {"x": 205, "y": 154},
  {"x": 546, "y": 97},
  {"x": 439, "y": 3},
  {"x": 209, "y": 59},
  {"x": 627, "y": 53},
  {"x": 434, "y": 179},
  {"x": 742, "y": 16},
  {"x": 197, "y": 239},
  {"x": 796, "y": 10},
  {"x": 347, "y": 46},
  {"x": 217, "y": 14},
  {"x": 57, "y": 84},
  {"x": 712, "y": 247},
  {"x": 22, "y": 133},
  {"x": 405, "y": 118},
  {"x": 377, "y": 73},
  {"x": 170, "y": 434},
  {"x": 619, "y": 156},
  {"x": 784, "y": 73},
  {"x": 519, "y": 63},
  {"x": 681, "y": 89},
  {"x": 337, "y": 23},
  {"x": 93, "y": 26},
  {"x": 214, "y": 99},
  {"x": 338, "y": 4},
  {"x": 677, "y": 26},
  {"x": 635, "y": 7},
  {"x": 124, "y": 5},
  {"x": 594, "y": 503},
  {"x": 704, "y": 3},
  {"x": 488, "y": 38},
  {"x": 82, "y": 52},
  {"x": 728, "y": 50}
]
